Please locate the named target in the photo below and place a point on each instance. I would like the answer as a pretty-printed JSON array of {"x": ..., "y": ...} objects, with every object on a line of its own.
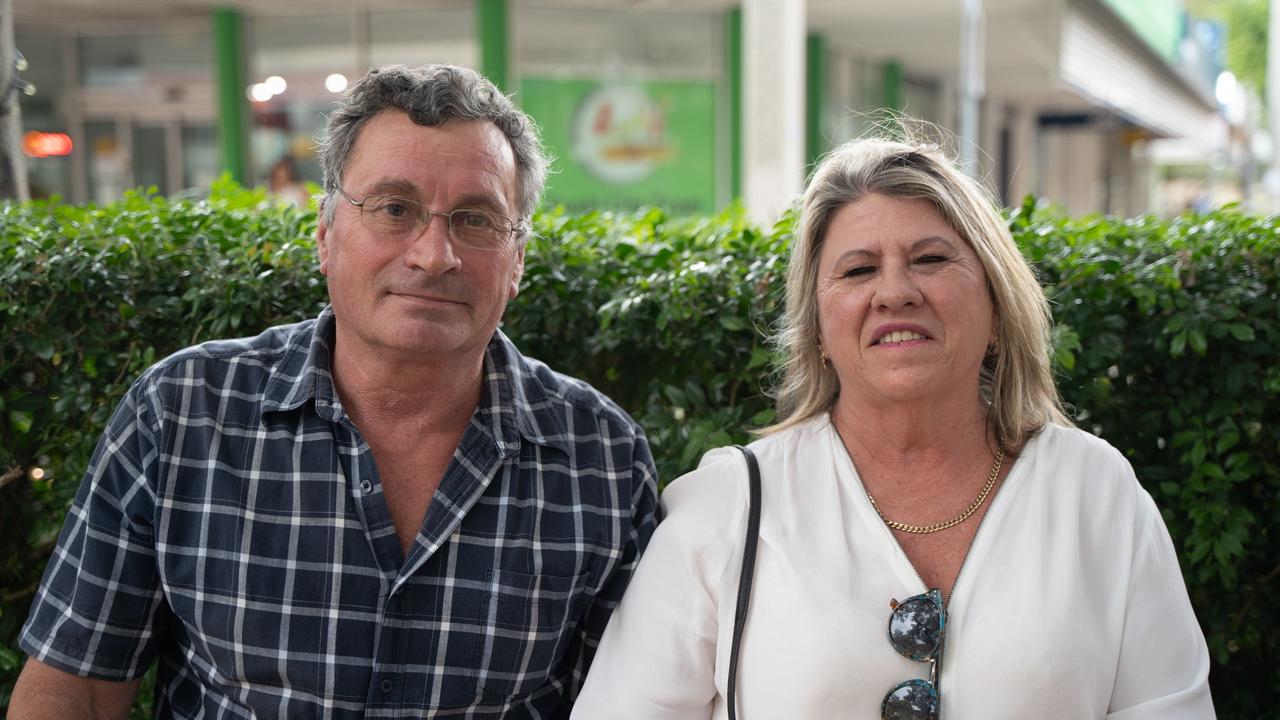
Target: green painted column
[
  {"x": 232, "y": 103},
  {"x": 491, "y": 29},
  {"x": 893, "y": 86},
  {"x": 815, "y": 95},
  {"x": 733, "y": 75}
]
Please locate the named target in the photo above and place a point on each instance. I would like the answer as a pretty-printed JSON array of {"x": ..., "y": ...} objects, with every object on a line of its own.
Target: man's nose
[{"x": 432, "y": 248}]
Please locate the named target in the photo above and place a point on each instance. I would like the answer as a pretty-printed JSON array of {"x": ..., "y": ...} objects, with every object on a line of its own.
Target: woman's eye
[
  {"x": 861, "y": 270},
  {"x": 931, "y": 259}
]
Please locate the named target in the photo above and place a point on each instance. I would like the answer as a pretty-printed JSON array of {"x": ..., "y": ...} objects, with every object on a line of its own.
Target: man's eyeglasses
[
  {"x": 915, "y": 631},
  {"x": 396, "y": 218}
]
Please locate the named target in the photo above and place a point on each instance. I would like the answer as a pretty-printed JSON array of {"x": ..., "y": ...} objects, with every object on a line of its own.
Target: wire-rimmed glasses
[{"x": 395, "y": 218}]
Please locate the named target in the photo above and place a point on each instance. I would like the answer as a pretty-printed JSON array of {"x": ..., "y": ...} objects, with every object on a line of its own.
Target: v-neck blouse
[{"x": 1070, "y": 603}]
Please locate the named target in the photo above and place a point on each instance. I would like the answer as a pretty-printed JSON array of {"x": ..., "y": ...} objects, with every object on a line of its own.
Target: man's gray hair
[{"x": 432, "y": 95}]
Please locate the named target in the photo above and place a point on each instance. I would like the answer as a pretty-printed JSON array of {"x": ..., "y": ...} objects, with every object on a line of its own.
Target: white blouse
[{"x": 1070, "y": 603}]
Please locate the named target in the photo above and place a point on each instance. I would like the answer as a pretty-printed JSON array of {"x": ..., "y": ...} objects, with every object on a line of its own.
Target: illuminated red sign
[{"x": 44, "y": 144}]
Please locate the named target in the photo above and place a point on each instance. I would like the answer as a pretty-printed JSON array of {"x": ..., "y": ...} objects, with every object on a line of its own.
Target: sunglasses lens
[
  {"x": 912, "y": 700},
  {"x": 915, "y": 628}
]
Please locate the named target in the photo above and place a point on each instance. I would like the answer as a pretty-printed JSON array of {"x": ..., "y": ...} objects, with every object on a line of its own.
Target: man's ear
[
  {"x": 322, "y": 243},
  {"x": 517, "y": 272}
]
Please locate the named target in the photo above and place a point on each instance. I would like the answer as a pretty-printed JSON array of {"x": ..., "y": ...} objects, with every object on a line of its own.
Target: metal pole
[
  {"x": 1273, "y": 100},
  {"x": 13, "y": 170},
  {"x": 972, "y": 82}
]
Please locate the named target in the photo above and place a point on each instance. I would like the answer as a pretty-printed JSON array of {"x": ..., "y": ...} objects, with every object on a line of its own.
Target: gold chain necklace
[{"x": 977, "y": 503}]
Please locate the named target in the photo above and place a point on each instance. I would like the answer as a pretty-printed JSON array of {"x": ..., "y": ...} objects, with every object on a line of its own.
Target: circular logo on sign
[{"x": 620, "y": 134}]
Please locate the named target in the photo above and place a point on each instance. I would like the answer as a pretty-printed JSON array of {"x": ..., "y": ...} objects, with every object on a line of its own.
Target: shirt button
[
  {"x": 386, "y": 685},
  {"x": 366, "y": 487}
]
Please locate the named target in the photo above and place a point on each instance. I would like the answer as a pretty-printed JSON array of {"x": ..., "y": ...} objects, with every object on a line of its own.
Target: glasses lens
[
  {"x": 915, "y": 627},
  {"x": 390, "y": 216},
  {"x": 477, "y": 228},
  {"x": 912, "y": 700}
]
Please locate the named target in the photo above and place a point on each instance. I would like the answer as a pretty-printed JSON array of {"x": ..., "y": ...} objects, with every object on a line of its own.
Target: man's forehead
[
  {"x": 457, "y": 139},
  {"x": 398, "y": 154}
]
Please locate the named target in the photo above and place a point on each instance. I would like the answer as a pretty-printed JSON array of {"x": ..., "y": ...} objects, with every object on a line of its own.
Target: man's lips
[{"x": 428, "y": 297}]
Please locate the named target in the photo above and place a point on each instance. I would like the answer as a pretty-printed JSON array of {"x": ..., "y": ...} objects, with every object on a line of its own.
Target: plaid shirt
[{"x": 232, "y": 522}]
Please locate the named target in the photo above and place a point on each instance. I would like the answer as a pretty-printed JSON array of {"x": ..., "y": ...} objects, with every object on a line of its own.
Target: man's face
[{"x": 421, "y": 298}]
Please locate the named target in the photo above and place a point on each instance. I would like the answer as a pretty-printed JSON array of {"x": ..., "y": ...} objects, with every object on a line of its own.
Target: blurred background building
[{"x": 1111, "y": 106}]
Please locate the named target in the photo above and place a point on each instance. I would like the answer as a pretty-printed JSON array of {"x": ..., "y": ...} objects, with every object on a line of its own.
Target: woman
[{"x": 936, "y": 539}]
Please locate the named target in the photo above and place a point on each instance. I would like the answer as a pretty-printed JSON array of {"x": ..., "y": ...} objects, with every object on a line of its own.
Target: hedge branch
[
  {"x": 20, "y": 594},
  {"x": 1253, "y": 597},
  {"x": 13, "y": 473}
]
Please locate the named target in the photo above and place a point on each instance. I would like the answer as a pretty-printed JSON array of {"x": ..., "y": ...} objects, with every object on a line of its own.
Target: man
[{"x": 383, "y": 512}]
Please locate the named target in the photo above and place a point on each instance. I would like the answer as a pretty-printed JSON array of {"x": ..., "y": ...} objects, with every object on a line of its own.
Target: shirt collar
[
  {"x": 304, "y": 370},
  {"x": 514, "y": 401}
]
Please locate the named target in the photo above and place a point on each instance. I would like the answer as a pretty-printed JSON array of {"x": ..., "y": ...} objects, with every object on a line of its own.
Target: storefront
[
  {"x": 640, "y": 103},
  {"x": 632, "y": 111}
]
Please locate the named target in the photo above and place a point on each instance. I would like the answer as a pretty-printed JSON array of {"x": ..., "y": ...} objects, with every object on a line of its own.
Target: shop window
[
  {"x": 135, "y": 60},
  {"x": 294, "y": 56}
]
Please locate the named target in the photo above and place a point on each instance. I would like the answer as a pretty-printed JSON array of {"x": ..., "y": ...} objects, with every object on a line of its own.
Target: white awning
[{"x": 1127, "y": 78}]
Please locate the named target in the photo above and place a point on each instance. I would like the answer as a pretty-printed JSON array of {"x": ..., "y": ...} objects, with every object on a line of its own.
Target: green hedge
[{"x": 1166, "y": 346}]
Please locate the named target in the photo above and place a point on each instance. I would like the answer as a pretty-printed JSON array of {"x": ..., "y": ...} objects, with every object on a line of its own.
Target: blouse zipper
[{"x": 964, "y": 561}]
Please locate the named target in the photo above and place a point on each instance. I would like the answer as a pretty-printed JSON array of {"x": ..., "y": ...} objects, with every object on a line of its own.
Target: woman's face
[{"x": 904, "y": 310}]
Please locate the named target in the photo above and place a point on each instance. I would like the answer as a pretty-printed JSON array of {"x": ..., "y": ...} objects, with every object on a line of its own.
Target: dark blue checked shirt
[{"x": 232, "y": 523}]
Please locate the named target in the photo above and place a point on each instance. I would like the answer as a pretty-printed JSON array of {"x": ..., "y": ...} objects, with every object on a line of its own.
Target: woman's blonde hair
[{"x": 1016, "y": 380}]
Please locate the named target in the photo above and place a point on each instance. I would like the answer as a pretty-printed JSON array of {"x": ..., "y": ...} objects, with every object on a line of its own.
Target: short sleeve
[
  {"x": 1163, "y": 669},
  {"x": 95, "y": 611},
  {"x": 657, "y": 659}
]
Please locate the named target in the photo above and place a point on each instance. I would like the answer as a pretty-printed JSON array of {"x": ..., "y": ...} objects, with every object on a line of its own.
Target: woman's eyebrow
[
  {"x": 931, "y": 239},
  {"x": 850, "y": 255}
]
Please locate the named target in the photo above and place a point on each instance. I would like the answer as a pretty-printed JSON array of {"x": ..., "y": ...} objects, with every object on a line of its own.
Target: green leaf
[
  {"x": 1212, "y": 470},
  {"x": 1226, "y": 441},
  {"x": 42, "y": 348},
  {"x": 21, "y": 421},
  {"x": 759, "y": 358},
  {"x": 1241, "y": 332},
  {"x": 1197, "y": 453},
  {"x": 1064, "y": 358},
  {"x": 730, "y": 322},
  {"x": 1198, "y": 342}
]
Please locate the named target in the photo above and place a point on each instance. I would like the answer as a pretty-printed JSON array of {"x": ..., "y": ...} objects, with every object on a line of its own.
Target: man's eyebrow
[
  {"x": 405, "y": 188},
  {"x": 481, "y": 200},
  {"x": 397, "y": 186}
]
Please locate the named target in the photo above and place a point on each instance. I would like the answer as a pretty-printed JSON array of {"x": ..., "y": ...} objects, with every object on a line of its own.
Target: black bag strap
[{"x": 744, "y": 582}]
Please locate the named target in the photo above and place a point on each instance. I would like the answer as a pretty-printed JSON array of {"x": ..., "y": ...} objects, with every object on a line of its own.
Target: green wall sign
[
  {"x": 1158, "y": 22},
  {"x": 620, "y": 145}
]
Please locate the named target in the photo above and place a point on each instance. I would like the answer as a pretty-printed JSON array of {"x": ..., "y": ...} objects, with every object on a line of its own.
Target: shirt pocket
[{"x": 528, "y": 623}]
